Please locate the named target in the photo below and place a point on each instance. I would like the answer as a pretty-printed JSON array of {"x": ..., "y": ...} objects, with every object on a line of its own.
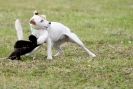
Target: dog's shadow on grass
[{"x": 34, "y": 57}]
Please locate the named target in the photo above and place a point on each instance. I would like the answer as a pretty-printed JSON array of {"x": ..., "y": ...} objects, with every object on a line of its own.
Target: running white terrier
[{"x": 57, "y": 34}]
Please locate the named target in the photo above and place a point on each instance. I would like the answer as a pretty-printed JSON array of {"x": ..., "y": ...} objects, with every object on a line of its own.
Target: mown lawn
[{"x": 105, "y": 27}]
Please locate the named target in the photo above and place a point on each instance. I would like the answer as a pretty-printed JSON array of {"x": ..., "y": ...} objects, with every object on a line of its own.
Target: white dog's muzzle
[{"x": 48, "y": 25}]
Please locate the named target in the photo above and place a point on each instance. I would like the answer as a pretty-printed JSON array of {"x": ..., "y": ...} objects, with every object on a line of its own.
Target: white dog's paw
[
  {"x": 57, "y": 54},
  {"x": 49, "y": 58},
  {"x": 93, "y": 55}
]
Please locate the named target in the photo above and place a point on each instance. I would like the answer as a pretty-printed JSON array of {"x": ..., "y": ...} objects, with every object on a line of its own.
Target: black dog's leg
[
  {"x": 12, "y": 56},
  {"x": 15, "y": 55},
  {"x": 18, "y": 57}
]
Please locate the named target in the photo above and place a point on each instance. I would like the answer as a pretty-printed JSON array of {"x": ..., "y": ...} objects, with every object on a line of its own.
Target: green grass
[{"x": 105, "y": 26}]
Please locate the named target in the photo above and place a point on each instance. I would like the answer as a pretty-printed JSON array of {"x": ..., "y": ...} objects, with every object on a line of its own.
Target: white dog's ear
[
  {"x": 32, "y": 22},
  {"x": 35, "y": 12},
  {"x": 44, "y": 16}
]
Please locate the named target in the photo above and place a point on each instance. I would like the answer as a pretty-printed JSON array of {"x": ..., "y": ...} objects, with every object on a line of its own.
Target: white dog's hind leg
[
  {"x": 59, "y": 51},
  {"x": 74, "y": 38}
]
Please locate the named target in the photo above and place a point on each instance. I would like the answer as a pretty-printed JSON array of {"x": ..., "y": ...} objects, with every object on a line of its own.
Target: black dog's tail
[{"x": 19, "y": 29}]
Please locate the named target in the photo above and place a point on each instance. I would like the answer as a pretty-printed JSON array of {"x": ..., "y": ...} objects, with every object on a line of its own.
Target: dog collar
[{"x": 33, "y": 30}]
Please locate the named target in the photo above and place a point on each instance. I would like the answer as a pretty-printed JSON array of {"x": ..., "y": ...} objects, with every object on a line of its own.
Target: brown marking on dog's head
[{"x": 32, "y": 22}]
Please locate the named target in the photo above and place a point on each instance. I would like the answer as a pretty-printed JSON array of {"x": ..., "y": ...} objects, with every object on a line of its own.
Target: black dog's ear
[
  {"x": 33, "y": 39},
  {"x": 35, "y": 13}
]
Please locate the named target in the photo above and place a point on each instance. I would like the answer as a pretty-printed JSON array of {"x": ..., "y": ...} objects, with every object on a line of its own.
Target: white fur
[
  {"x": 19, "y": 29},
  {"x": 57, "y": 34}
]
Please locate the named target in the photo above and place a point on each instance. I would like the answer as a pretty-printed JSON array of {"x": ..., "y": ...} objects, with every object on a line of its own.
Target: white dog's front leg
[
  {"x": 49, "y": 49},
  {"x": 43, "y": 38}
]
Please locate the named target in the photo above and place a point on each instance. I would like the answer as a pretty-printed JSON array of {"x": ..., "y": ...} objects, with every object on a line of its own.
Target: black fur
[{"x": 23, "y": 47}]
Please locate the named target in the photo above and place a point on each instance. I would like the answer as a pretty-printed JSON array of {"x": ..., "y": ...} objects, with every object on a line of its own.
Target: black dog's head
[{"x": 23, "y": 47}]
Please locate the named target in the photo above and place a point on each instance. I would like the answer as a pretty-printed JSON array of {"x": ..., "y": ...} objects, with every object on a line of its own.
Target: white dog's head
[{"x": 39, "y": 21}]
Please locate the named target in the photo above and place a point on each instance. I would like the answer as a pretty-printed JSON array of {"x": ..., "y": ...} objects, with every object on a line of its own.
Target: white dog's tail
[{"x": 19, "y": 29}]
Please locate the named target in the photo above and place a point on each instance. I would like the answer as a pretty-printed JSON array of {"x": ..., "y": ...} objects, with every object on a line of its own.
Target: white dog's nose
[{"x": 49, "y": 22}]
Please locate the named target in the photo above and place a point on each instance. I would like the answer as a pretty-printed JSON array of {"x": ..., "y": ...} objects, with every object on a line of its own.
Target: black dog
[{"x": 23, "y": 47}]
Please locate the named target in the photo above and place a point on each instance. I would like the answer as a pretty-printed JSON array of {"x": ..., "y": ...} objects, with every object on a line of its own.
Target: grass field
[{"x": 105, "y": 27}]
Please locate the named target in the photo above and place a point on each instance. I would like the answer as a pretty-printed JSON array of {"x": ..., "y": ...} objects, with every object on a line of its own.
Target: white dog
[{"x": 57, "y": 34}]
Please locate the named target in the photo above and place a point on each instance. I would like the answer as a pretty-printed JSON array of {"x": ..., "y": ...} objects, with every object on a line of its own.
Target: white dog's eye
[{"x": 41, "y": 21}]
